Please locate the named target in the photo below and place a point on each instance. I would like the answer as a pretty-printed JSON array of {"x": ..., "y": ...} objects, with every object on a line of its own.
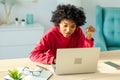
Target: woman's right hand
[{"x": 89, "y": 31}]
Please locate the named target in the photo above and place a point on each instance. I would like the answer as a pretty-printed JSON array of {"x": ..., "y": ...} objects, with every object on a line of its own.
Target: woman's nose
[{"x": 68, "y": 29}]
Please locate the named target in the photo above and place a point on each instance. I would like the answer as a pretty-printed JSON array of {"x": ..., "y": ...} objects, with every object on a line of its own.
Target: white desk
[{"x": 105, "y": 72}]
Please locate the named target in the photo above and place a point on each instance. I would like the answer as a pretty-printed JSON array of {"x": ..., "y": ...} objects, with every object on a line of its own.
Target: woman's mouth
[{"x": 67, "y": 35}]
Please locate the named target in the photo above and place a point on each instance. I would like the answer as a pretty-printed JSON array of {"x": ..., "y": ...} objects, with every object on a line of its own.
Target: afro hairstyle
[{"x": 68, "y": 11}]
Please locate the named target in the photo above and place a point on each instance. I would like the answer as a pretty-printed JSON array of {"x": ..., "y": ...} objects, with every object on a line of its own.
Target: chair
[{"x": 107, "y": 35}]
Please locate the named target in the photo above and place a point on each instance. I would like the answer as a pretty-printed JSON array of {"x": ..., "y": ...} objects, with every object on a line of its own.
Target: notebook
[
  {"x": 76, "y": 60},
  {"x": 44, "y": 74}
]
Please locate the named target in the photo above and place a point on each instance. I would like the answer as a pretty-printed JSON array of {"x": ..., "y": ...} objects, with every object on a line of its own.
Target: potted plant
[
  {"x": 14, "y": 74},
  {"x": 8, "y": 5}
]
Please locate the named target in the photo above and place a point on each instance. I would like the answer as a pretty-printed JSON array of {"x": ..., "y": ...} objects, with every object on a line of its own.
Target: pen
[{"x": 41, "y": 67}]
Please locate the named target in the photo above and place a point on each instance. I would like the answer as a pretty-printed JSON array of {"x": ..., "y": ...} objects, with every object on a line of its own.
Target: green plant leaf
[
  {"x": 2, "y": 1},
  {"x": 14, "y": 74}
]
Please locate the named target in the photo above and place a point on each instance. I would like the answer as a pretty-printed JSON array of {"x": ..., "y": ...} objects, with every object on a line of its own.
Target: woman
[{"x": 65, "y": 33}]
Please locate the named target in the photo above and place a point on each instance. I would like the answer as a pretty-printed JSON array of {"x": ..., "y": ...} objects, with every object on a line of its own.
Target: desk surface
[{"x": 105, "y": 72}]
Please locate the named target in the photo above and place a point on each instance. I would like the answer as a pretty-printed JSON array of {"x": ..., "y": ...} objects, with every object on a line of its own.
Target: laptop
[{"x": 76, "y": 60}]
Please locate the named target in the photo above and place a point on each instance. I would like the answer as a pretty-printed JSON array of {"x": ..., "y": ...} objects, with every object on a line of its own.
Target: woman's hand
[{"x": 89, "y": 31}]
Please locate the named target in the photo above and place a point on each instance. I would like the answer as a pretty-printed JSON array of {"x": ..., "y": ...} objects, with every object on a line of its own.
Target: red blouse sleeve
[
  {"x": 42, "y": 53},
  {"x": 84, "y": 42},
  {"x": 88, "y": 43}
]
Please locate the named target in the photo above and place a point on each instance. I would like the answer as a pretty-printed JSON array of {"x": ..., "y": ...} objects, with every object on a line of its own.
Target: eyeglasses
[{"x": 37, "y": 72}]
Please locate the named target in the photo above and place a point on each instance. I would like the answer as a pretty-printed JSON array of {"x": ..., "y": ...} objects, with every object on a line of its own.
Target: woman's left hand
[{"x": 89, "y": 31}]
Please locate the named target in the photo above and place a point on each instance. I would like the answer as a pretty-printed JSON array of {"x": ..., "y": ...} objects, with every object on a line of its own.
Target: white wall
[
  {"x": 42, "y": 10},
  {"x": 89, "y": 7},
  {"x": 109, "y": 3}
]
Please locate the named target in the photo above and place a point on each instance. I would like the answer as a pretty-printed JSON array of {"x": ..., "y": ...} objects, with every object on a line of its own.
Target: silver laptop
[{"x": 76, "y": 60}]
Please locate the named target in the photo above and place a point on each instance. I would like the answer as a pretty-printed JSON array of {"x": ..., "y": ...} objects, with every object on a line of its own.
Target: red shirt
[{"x": 45, "y": 50}]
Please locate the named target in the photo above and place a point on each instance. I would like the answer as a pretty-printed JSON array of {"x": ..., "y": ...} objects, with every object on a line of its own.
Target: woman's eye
[
  {"x": 73, "y": 26},
  {"x": 65, "y": 25}
]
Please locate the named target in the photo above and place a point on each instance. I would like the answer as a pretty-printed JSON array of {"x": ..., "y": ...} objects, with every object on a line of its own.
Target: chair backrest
[
  {"x": 108, "y": 27},
  {"x": 111, "y": 26}
]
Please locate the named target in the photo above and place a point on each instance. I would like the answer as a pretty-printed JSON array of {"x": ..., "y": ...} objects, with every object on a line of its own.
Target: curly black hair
[{"x": 68, "y": 12}]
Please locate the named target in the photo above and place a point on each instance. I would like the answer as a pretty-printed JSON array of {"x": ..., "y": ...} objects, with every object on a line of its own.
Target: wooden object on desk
[{"x": 17, "y": 41}]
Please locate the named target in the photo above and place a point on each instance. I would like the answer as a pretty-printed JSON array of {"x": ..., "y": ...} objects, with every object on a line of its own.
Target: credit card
[{"x": 113, "y": 65}]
